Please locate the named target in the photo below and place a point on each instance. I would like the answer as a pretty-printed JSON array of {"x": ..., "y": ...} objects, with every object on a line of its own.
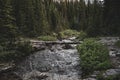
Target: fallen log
[{"x": 54, "y": 42}]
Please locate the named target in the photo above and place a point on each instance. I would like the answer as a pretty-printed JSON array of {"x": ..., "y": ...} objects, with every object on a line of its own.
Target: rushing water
[{"x": 55, "y": 64}]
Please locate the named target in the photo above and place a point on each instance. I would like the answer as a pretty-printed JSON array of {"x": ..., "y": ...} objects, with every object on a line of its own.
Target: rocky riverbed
[
  {"x": 60, "y": 62},
  {"x": 51, "y": 64}
]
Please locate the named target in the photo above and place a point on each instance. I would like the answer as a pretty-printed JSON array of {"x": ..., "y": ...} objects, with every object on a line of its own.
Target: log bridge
[
  {"x": 43, "y": 44},
  {"x": 54, "y": 42}
]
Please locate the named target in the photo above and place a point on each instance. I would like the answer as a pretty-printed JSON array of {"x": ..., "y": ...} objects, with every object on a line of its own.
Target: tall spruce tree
[
  {"x": 44, "y": 25},
  {"x": 7, "y": 22},
  {"x": 40, "y": 17}
]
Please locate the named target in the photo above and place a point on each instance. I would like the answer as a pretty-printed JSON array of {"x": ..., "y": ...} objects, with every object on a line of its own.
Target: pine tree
[
  {"x": 94, "y": 18},
  {"x": 7, "y": 22},
  {"x": 44, "y": 25},
  {"x": 20, "y": 14},
  {"x": 82, "y": 15}
]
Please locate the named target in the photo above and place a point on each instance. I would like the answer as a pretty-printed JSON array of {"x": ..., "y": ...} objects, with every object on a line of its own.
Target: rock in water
[
  {"x": 111, "y": 72},
  {"x": 34, "y": 74}
]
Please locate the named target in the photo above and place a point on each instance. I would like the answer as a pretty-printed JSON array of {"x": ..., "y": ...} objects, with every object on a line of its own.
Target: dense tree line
[
  {"x": 32, "y": 18},
  {"x": 8, "y": 27},
  {"x": 112, "y": 17}
]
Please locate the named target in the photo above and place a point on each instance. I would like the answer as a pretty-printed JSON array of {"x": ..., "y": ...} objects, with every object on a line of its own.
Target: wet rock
[
  {"x": 72, "y": 38},
  {"x": 65, "y": 40},
  {"x": 67, "y": 46},
  {"x": 109, "y": 41},
  {"x": 112, "y": 49},
  {"x": 95, "y": 73},
  {"x": 93, "y": 76},
  {"x": 44, "y": 69},
  {"x": 35, "y": 74},
  {"x": 56, "y": 47},
  {"x": 111, "y": 72},
  {"x": 112, "y": 53},
  {"x": 39, "y": 47},
  {"x": 68, "y": 62},
  {"x": 118, "y": 54},
  {"x": 90, "y": 79}
]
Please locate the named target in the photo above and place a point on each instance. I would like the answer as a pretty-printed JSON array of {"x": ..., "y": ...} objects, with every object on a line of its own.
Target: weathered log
[
  {"x": 54, "y": 42},
  {"x": 41, "y": 45}
]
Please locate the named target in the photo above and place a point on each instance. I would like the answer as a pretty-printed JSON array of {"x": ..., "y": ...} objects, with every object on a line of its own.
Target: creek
[{"x": 56, "y": 63}]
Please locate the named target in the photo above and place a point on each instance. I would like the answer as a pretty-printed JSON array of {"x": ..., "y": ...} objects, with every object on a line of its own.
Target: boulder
[
  {"x": 112, "y": 53},
  {"x": 67, "y": 46},
  {"x": 118, "y": 54},
  {"x": 35, "y": 74}
]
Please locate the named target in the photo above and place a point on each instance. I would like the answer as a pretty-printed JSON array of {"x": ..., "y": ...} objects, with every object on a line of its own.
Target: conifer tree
[
  {"x": 43, "y": 18},
  {"x": 7, "y": 22}
]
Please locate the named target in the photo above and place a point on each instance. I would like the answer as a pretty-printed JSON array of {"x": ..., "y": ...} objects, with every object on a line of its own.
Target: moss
[
  {"x": 69, "y": 33},
  {"x": 82, "y": 35},
  {"x": 47, "y": 38}
]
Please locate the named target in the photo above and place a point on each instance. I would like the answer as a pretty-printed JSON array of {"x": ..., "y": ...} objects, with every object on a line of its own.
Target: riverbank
[{"x": 61, "y": 62}]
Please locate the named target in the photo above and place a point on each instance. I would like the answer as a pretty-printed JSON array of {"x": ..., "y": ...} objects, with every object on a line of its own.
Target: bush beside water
[
  {"x": 112, "y": 77},
  {"x": 94, "y": 56},
  {"x": 18, "y": 51},
  {"x": 82, "y": 35}
]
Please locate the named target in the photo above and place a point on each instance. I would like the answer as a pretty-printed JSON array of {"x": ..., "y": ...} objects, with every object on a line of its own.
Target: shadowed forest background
[
  {"x": 32, "y": 18},
  {"x": 39, "y": 18}
]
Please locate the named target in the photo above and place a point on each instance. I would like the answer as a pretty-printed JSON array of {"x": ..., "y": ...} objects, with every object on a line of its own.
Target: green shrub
[
  {"x": 94, "y": 56},
  {"x": 69, "y": 33},
  {"x": 6, "y": 56},
  {"x": 104, "y": 65},
  {"x": 117, "y": 44},
  {"x": 20, "y": 50},
  {"x": 47, "y": 38},
  {"x": 23, "y": 49},
  {"x": 112, "y": 77},
  {"x": 82, "y": 35}
]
